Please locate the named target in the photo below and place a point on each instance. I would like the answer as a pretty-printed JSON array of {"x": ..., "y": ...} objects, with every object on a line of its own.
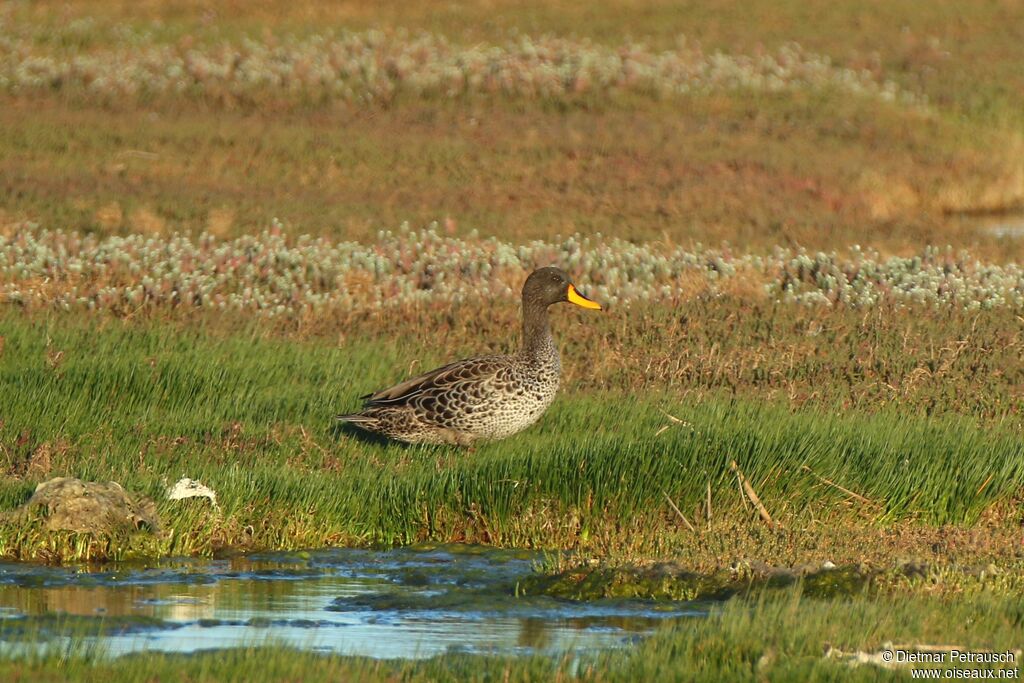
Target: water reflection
[
  {"x": 1004, "y": 227},
  {"x": 398, "y": 603}
]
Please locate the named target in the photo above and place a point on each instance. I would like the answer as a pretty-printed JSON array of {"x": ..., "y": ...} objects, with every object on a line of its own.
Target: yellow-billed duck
[{"x": 481, "y": 398}]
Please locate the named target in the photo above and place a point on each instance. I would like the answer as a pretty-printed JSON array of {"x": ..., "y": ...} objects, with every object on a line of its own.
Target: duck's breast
[{"x": 520, "y": 396}]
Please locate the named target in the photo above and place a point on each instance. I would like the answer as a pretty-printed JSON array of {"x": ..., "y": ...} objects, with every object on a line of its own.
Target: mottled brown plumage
[{"x": 487, "y": 397}]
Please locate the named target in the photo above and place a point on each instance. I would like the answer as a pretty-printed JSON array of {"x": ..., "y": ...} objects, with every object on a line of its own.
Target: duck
[{"x": 484, "y": 398}]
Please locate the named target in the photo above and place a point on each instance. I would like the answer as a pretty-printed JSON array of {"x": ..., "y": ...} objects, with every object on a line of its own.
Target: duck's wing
[{"x": 453, "y": 378}]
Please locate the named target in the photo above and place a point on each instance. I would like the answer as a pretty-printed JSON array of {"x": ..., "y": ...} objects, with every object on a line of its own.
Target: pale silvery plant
[
  {"x": 277, "y": 275},
  {"x": 368, "y": 66}
]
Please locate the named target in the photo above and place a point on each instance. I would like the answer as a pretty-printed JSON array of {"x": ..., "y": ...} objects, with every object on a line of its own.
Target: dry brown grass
[
  {"x": 925, "y": 362},
  {"x": 819, "y": 171},
  {"x": 700, "y": 171}
]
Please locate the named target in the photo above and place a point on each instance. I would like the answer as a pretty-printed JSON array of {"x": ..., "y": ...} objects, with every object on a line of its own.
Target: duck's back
[
  {"x": 509, "y": 396},
  {"x": 487, "y": 397}
]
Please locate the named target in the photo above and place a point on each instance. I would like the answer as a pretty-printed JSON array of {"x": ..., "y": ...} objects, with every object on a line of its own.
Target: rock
[{"x": 68, "y": 504}]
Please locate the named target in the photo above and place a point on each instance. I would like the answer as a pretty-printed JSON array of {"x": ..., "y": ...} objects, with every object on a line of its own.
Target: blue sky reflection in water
[{"x": 401, "y": 603}]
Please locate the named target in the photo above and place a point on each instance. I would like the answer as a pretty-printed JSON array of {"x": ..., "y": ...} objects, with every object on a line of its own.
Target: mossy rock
[
  {"x": 69, "y": 504},
  {"x": 834, "y": 583}
]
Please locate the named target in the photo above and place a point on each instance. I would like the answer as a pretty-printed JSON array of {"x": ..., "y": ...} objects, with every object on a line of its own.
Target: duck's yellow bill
[{"x": 580, "y": 300}]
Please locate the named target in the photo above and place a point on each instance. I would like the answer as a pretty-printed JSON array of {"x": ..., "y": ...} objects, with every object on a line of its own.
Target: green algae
[{"x": 663, "y": 583}]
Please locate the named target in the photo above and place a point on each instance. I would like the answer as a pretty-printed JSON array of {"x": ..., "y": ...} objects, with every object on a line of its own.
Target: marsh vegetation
[{"x": 218, "y": 229}]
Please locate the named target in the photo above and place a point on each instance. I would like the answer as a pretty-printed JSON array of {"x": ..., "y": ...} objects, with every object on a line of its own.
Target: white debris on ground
[{"x": 190, "y": 488}]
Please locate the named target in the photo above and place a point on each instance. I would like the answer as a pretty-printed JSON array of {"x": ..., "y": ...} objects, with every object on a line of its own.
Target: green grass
[
  {"x": 781, "y": 637},
  {"x": 251, "y": 416}
]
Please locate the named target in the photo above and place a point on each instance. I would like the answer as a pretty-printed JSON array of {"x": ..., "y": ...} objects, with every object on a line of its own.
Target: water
[
  {"x": 402, "y": 603},
  {"x": 1007, "y": 227}
]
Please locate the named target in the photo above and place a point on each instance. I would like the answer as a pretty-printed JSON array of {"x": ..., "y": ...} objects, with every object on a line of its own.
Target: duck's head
[{"x": 551, "y": 285}]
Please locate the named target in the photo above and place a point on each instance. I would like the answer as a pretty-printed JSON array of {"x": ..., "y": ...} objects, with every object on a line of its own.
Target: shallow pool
[{"x": 400, "y": 603}]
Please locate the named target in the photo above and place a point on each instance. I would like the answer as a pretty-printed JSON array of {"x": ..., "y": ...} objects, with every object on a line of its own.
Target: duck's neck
[{"x": 537, "y": 339}]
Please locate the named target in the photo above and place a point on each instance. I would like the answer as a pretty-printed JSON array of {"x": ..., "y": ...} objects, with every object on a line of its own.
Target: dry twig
[
  {"x": 752, "y": 495},
  {"x": 680, "y": 513},
  {"x": 708, "y": 500},
  {"x": 852, "y": 494}
]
